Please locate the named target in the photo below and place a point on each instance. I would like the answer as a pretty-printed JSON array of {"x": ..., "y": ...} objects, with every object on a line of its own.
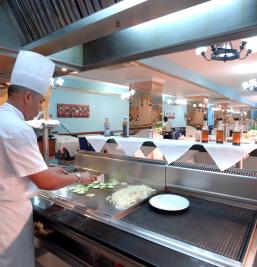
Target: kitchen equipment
[{"x": 217, "y": 229}]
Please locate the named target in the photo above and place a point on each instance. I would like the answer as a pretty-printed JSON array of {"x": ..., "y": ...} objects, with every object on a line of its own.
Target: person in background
[
  {"x": 22, "y": 168},
  {"x": 166, "y": 128}
]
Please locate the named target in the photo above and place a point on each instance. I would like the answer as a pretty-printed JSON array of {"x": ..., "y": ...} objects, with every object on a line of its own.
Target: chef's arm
[{"x": 54, "y": 178}]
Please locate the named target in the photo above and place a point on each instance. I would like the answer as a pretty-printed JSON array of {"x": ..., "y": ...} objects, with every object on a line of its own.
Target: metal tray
[{"x": 96, "y": 206}]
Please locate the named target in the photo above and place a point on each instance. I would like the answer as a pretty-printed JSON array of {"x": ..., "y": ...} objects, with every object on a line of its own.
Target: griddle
[{"x": 220, "y": 228}]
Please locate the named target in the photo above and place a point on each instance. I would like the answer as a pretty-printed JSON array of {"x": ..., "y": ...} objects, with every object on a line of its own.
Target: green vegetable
[{"x": 82, "y": 189}]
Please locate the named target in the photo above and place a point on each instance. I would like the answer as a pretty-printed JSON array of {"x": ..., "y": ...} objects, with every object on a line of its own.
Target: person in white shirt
[
  {"x": 22, "y": 168},
  {"x": 166, "y": 128}
]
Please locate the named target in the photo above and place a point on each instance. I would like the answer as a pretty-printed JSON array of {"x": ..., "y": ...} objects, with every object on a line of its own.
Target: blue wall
[
  {"x": 179, "y": 110},
  {"x": 210, "y": 117},
  {"x": 101, "y": 105}
]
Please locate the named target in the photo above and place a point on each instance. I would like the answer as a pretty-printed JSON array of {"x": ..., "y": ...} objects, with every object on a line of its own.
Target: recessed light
[{"x": 64, "y": 69}]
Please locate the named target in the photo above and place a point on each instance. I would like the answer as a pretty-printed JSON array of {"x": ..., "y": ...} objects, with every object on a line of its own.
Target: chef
[{"x": 22, "y": 168}]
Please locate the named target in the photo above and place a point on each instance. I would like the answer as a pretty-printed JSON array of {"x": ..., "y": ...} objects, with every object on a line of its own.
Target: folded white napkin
[
  {"x": 173, "y": 149},
  {"x": 97, "y": 141},
  {"x": 130, "y": 145},
  {"x": 227, "y": 155},
  {"x": 224, "y": 155}
]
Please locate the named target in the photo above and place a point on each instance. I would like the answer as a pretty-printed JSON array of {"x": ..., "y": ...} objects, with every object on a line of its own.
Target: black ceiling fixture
[{"x": 225, "y": 52}]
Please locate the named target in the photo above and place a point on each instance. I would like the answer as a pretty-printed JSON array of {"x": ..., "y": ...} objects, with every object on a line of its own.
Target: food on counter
[
  {"x": 126, "y": 197},
  {"x": 82, "y": 189},
  {"x": 90, "y": 195}
]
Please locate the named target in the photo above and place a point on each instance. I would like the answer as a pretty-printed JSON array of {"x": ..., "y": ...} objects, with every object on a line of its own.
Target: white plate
[{"x": 169, "y": 202}]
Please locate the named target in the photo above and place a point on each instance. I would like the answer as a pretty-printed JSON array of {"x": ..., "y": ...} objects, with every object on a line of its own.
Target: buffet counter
[
  {"x": 217, "y": 229},
  {"x": 224, "y": 155},
  {"x": 83, "y": 241}
]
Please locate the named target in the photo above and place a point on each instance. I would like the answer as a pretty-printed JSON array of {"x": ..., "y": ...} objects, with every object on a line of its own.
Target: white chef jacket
[
  {"x": 166, "y": 127},
  {"x": 19, "y": 157}
]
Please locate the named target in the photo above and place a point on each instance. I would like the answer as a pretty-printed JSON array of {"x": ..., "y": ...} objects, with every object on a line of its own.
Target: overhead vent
[{"x": 38, "y": 19}]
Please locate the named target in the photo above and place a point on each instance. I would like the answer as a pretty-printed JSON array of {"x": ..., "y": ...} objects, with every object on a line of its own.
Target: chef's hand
[{"x": 87, "y": 178}]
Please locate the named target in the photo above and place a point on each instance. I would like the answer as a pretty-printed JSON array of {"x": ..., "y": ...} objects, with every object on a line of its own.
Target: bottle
[
  {"x": 107, "y": 128},
  {"x": 150, "y": 132},
  {"x": 236, "y": 135},
  {"x": 125, "y": 127},
  {"x": 220, "y": 132},
  {"x": 205, "y": 132},
  {"x": 198, "y": 134}
]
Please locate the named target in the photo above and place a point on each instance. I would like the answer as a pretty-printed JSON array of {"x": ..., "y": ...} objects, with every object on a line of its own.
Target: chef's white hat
[{"x": 33, "y": 71}]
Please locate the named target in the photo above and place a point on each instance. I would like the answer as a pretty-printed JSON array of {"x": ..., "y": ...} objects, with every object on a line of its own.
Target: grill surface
[
  {"x": 211, "y": 168},
  {"x": 217, "y": 227}
]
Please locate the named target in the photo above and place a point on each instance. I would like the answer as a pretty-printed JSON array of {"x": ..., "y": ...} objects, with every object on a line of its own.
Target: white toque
[{"x": 33, "y": 71}]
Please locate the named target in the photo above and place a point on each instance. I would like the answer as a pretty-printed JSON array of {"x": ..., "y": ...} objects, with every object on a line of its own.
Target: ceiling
[
  {"x": 52, "y": 27},
  {"x": 110, "y": 35},
  {"x": 125, "y": 74},
  {"x": 226, "y": 75},
  {"x": 230, "y": 74}
]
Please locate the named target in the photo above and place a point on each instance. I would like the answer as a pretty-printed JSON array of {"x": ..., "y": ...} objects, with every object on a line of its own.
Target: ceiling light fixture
[
  {"x": 251, "y": 85},
  {"x": 126, "y": 96},
  {"x": 177, "y": 101},
  {"x": 224, "y": 52},
  {"x": 57, "y": 82}
]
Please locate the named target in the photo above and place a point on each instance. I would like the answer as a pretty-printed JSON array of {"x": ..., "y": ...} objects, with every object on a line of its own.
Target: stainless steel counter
[
  {"x": 96, "y": 206},
  {"x": 221, "y": 217}
]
